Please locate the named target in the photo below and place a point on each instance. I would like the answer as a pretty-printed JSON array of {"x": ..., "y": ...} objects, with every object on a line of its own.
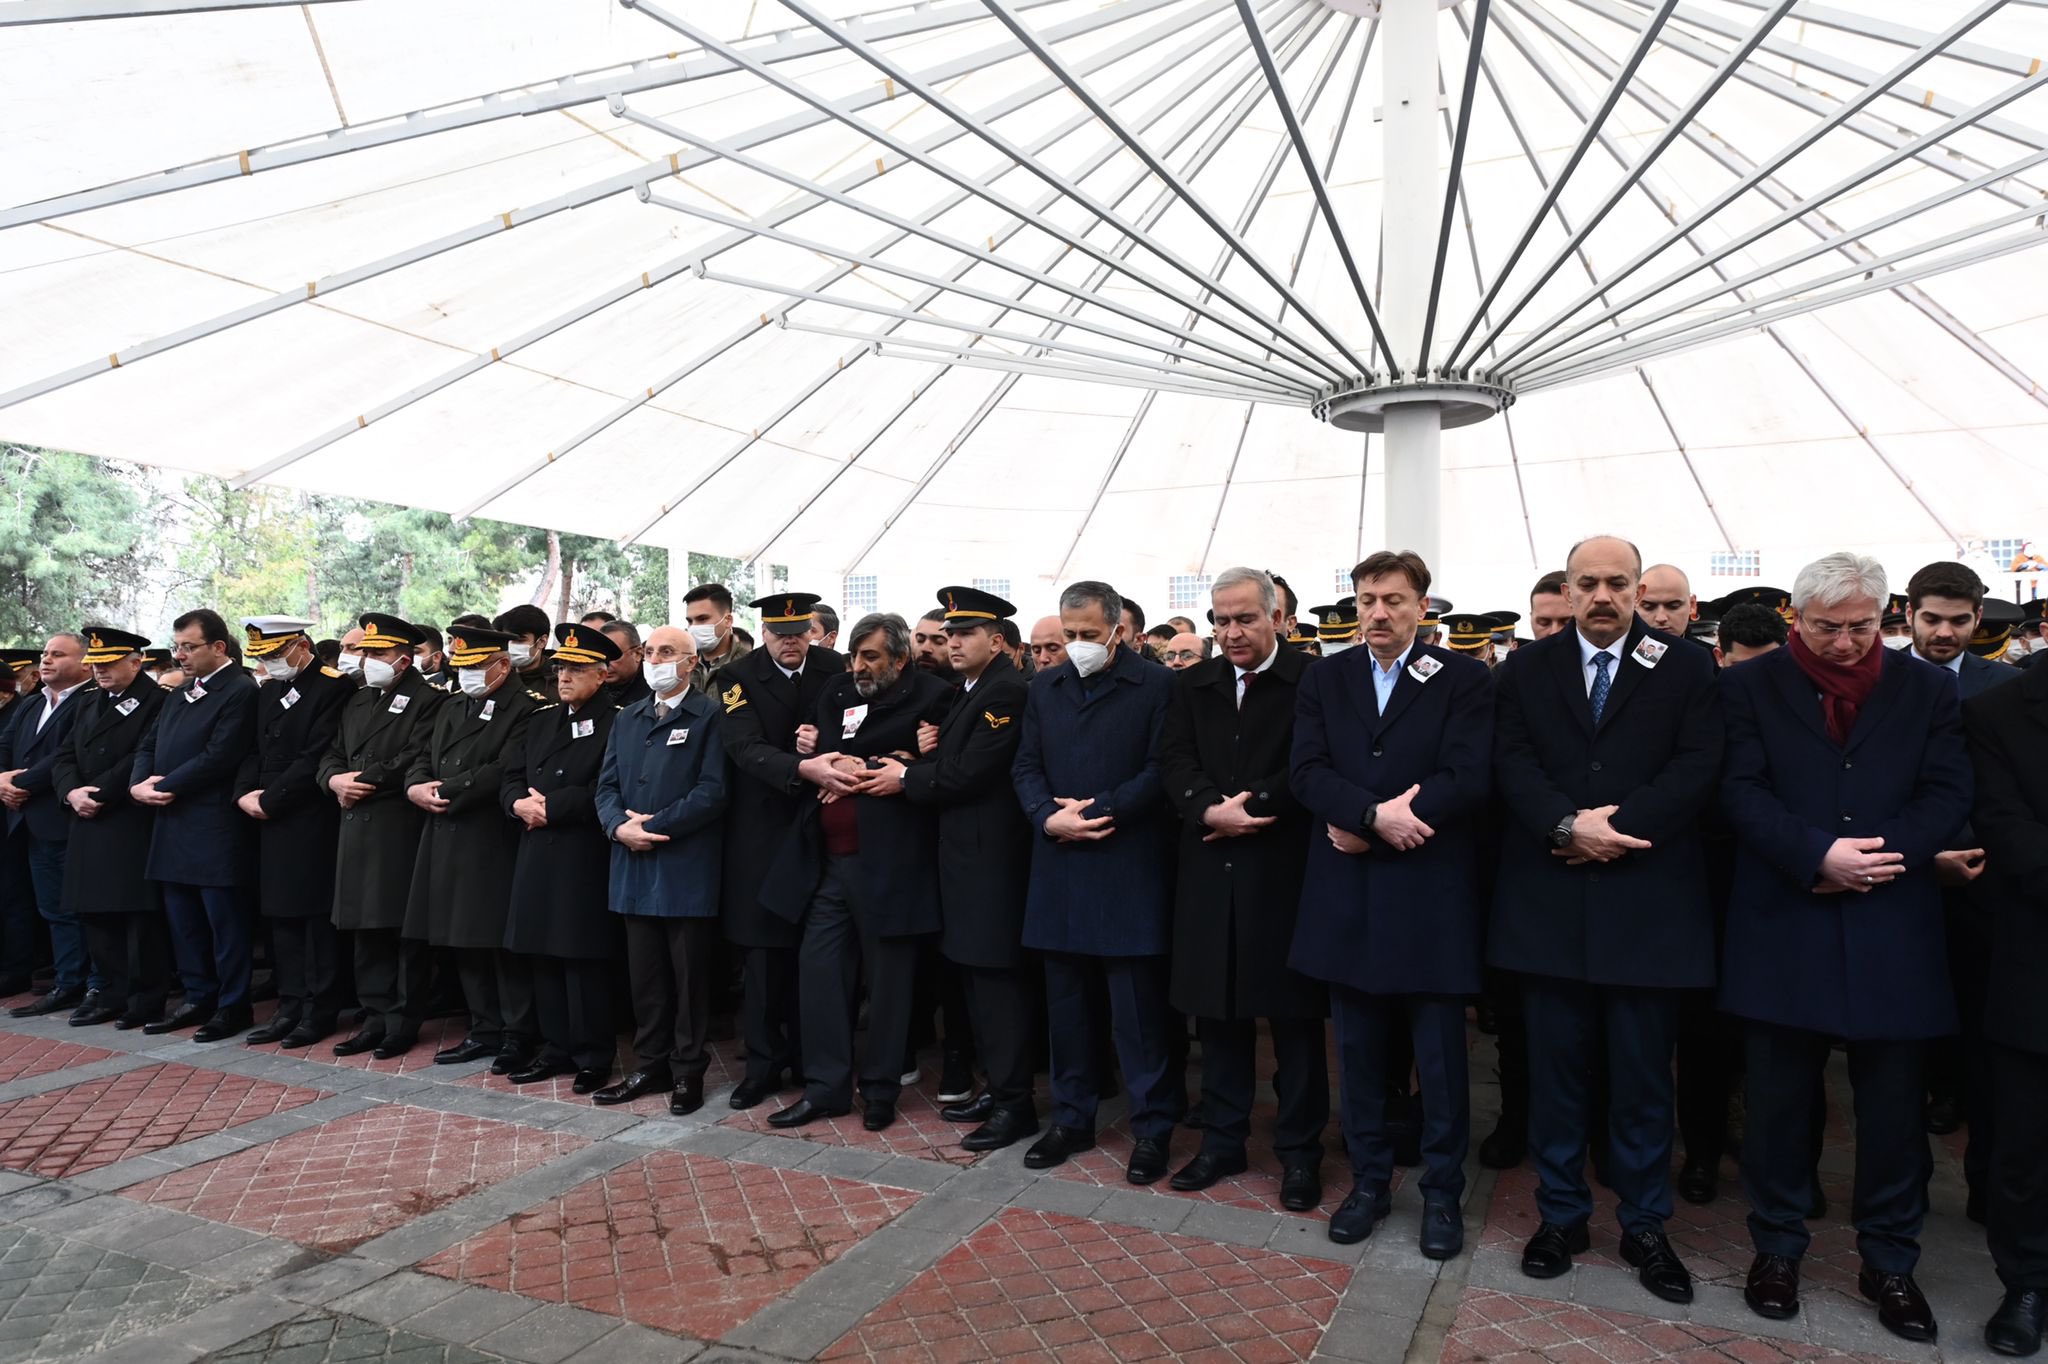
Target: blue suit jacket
[
  {"x": 1112, "y": 897},
  {"x": 1384, "y": 921},
  {"x": 681, "y": 782},
  {"x": 35, "y": 753},
  {"x": 1644, "y": 919},
  {"x": 1852, "y": 965},
  {"x": 201, "y": 736}
]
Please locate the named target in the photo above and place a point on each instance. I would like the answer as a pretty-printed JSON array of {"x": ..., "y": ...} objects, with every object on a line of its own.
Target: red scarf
[{"x": 1843, "y": 688}]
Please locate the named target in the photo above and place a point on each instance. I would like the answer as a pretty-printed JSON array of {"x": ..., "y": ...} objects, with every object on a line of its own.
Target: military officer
[
  {"x": 984, "y": 861},
  {"x": 104, "y": 883},
  {"x": 558, "y": 921},
  {"x": 384, "y": 728},
  {"x": 462, "y": 880},
  {"x": 1336, "y": 626},
  {"x": 765, "y": 696},
  {"x": 297, "y": 711},
  {"x": 185, "y": 769}
]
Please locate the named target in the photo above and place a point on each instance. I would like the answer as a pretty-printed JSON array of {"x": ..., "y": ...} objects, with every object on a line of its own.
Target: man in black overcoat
[
  {"x": 297, "y": 825},
  {"x": 1224, "y": 760},
  {"x": 35, "y": 824},
  {"x": 766, "y": 695}
]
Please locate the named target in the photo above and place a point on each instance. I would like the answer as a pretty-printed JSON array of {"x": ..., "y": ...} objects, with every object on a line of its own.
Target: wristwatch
[
  {"x": 1372, "y": 815},
  {"x": 1561, "y": 833}
]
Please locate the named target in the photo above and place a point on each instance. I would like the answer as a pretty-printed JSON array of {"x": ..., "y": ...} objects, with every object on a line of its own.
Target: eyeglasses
[
  {"x": 1184, "y": 656},
  {"x": 1828, "y": 629}
]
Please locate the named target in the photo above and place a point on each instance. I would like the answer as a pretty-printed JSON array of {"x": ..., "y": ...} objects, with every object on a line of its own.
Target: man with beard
[
  {"x": 431, "y": 659},
  {"x": 859, "y": 871},
  {"x": 119, "y": 908},
  {"x": 297, "y": 711},
  {"x": 384, "y": 728},
  {"x": 928, "y": 647}
]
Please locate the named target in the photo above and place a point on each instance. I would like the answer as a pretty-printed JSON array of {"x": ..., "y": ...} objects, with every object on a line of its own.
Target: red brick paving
[
  {"x": 70, "y": 1131},
  {"x": 24, "y": 1057},
  {"x": 1257, "y": 1188},
  {"x": 435, "y": 1033},
  {"x": 918, "y": 1130},
  {"x": 339, "y": 1184},
  {"x": 1032, "y": 1285},
  {"x": 682, "y": 1243},
  {"x": 1507, "y": 1328}
]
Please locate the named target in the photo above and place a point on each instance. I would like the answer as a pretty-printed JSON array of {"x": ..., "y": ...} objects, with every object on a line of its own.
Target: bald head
[
  {"x": 1184, "y": 650},
  {"x": 1667, "y": 602},
  {"x": 668, "y": 644},
  {"x": 1048, "y": 643}
]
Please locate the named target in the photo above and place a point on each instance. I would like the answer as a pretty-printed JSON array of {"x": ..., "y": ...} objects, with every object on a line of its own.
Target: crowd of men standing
[{"x": 1741, "y": 835}]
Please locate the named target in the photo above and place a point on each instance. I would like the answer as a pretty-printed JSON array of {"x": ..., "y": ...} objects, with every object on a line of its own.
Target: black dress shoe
[
  {"x": 1944, "y": 1115},
  {"x": 686, "y": 1098},
  {"x": 589, "y": 1081},
  {"x": 1443, "y": 1230},
  {"x": 1699, "y": 1183},
  {"x": 1657, "y": 1264},
  {"x": 635, "y": 1085},
  {"x": 1549, "y": 1252},
  {"x": 1901, "y": 1307},
  {"x": 750, "y": 1093},
  {"x": 2015, "y": 1328},
  {"x": 129, "y": 1022},
  {"x": 1773, "y": 1287},
  {"x": 308, "y": 1033},
  {"x": 1056, "y": 1145},
  {"x": 1357, "y": 1215},
  {"x": 1148, "y": 1161},
  {"x": 804, "y": 1112},
  {"x": 513, "y": 1058},
  {"x": 56, "y": 1001},
  {"x": 1301, "y": 1187},
  {"x": 390, "y": 1047},
  {"x": 191, "y": 1016},
  {"x": 976, "y": 1109},
  {"x": 357, "y": 1043},
  {"x": 1005, "y": 1127},
  {"x": 1205, "y": 1169},
  {"x": 468, "y": 1049},
  {"x": 540, "y": 1068},
  {"x": 276, "y": 1030},
  {"x": 92, "y": 1012},
  {"x": 877, "y": 1115},
  {"x": 224, "y": 1024},
  {"x": 1507, "y": 1145}
]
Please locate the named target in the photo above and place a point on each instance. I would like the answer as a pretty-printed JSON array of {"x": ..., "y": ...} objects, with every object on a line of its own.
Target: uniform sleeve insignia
[
  {"x": 995, "y": 721},
  {"x": 734, "y": 697}
]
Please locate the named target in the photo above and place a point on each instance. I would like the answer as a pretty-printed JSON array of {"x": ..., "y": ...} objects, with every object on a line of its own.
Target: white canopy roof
[{"x": 1041, "y": 289}]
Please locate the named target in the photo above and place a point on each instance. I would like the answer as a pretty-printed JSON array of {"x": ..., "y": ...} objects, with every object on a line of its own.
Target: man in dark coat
[
  {"x": 558, "y": 921},
  {"x": 36, "y": 824},
  {"x": 462, "y": 879},
  {"x": 185, "y": 769},
  {"x": 765, "y": 696},
  {"x": 624, "y": 683},
  {"x": 1607, "y": 746},
  {"x": 297, "y": 825},
  {"x": 661, "y": 799},
  {"x": 1845, "y": 777},
  {"x": 1100, "y": 902},
  {"x": 104, "y": 881},
  {"x": 984, "y": 857},
  {"x": 1390, "y": 758},
  {"x": 1223, "y": 761},
  {"x": 859, "y": 871},
  {"x": 384, "y": 727},
  {"x": 2008, "y": 743}
]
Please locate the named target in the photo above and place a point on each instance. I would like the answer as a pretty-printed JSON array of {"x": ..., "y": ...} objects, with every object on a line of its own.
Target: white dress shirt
[
  {"x": 1243, "y": 673},
  {"x": 1586, "y": 653},
  {"x": 52, "y": 700}
]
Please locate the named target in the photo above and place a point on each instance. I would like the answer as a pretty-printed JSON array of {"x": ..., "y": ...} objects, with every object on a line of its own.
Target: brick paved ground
[{"x": 163, "y": 1202}]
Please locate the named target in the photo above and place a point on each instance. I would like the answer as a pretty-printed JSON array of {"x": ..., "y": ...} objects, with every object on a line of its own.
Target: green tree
[
  {"x": 247, "y": 552},
  {"x": 74, "y": 538}
]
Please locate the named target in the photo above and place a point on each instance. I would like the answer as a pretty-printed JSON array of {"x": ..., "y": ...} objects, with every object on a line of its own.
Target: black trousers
[
  {"x": 768, "y": 1014},
  {"x": 498, "y": 988},
  {"x": 838, "y": 952},
  {"x": 1893, "y": 1163},
  {"x": 1006, "y": 1006},
  {"x": 1141, "y": 1026},
  {"x": 668, "y": 962},
  {"x": 391, "y": 976},
  {"x": 1503, "y": 991},
  {"x": 1301, "y": 1084},
  {"x": 1366, "y": 1027},
  {"x": 1709, "y": 1060},
  {"x": 1568, "y": 1021},
  {"x": 133, "y": 953},
  {"x": 305, "y": 962},
  {"x": 2017, "y": 1190},
  {"x": 574, "y": 1001}
]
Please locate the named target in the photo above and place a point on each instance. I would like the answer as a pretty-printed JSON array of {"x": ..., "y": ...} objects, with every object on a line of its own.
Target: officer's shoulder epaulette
[
  {"x": 547, "y": 705},
  {"x": 538, "y": 696},
  {"x": 326, "y": 671}
]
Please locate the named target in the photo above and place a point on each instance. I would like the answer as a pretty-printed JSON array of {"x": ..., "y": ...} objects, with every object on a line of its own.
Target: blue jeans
[
  {"x": 210, "y": 940},
  {"x": 67, "y": 938}
]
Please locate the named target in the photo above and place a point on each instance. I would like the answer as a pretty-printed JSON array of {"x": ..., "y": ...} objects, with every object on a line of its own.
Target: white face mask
[
  {"x": 1899, "y": 642},
  {"x": 661, "y": 677},
  {"x": 522, "y": 654},
  {"x": 277, "y": 667},
  {"x": 1333, "y": 648},
  {"x": 378, "y": 672},
  {"x": 1089, "y": 657},
  {"x": 705, "y": 635},
  {"x": 351, "y": 664},
  {"x": 474, "y": 681}
]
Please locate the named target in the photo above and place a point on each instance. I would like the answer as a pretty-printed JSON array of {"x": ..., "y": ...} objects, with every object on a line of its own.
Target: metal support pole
[{"x": 1412, "y": 194}]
